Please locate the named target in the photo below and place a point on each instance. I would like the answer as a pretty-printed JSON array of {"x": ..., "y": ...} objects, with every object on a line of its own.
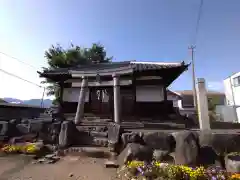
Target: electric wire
[
  {"x": 16, "y": 59},
  {"x": 198, "y": 22},
  {"x": 18, "y": 77}
]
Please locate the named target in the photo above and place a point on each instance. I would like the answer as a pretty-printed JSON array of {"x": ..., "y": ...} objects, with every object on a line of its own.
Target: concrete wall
[{"x": 232, "y": 92}]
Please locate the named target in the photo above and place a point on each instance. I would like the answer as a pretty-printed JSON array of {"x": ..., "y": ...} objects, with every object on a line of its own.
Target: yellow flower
[
  {"x": 135, "y": 164},
  {"x": 235, "y": 176}
]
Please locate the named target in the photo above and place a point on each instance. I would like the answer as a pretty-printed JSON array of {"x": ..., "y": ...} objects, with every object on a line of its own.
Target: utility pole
[{"x": 193, "y": 77}]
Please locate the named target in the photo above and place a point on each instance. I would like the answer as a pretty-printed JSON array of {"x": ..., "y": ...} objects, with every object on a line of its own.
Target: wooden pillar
[
  {"x": 58, "y": 112},
  {"x": 81, "y": 100},
  {"x": 61, "y": 86},
  {"x": 116, "y": 97},
  {"x": 202, "y": 103},
  {"x": 134, "y": 97},
  {"x": 165, "y": 93}
]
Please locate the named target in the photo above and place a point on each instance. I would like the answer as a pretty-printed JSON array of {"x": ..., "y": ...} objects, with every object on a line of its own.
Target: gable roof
[
  {"x": 173, "y": 93},
  {"x": 136, "y": 66},
  {"x": 169, "y": 71}
]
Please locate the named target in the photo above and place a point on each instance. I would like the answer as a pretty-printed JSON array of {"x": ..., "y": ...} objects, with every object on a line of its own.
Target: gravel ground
[{"x": 68, "y": 168}]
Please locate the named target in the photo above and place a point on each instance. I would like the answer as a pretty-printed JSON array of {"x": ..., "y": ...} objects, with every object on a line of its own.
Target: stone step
[
  {"x": 100, "y": 141},
  {"x": 90, "y": 151},
  {"x": 98, "y": 134}
]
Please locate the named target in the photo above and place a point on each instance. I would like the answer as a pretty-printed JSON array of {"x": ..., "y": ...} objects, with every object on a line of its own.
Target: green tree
[
  {"x": 58, "y": 57},
  {"x": 212, "y": 103}
]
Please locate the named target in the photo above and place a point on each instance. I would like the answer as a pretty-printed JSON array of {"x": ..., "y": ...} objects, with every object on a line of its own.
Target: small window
[{"x": 236, "y": 81}]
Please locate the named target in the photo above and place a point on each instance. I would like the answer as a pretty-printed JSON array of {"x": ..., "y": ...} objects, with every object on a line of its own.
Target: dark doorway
[{"x": 101, "y": 100}]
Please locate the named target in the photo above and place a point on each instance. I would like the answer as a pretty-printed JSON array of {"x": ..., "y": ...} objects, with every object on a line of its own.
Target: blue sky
[{"x": 156, "y": 30}]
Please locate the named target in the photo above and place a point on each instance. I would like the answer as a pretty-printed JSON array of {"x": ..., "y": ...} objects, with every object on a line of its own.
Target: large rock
[
  {"x": 163, "y": 156},
  {"x": 221, "y": 143},
  {"x": 160, "y": 140},
  {"x": 135, "y": 151},
  {"x": 35, "y": 126},
  {"x": 23, "y": 128},
  {"x": 67, "y": 134},
  {"x": 187, "y": 148},
  {"x": 25, "y": 138},
  {"x": 131, "y": 137},
  {"x": 214, "y": 146}
]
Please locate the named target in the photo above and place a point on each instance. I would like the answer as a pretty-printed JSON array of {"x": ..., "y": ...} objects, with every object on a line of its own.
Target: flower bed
[
  {"x": 29, "y": 148},
  {"x": 138, "y": 170}
]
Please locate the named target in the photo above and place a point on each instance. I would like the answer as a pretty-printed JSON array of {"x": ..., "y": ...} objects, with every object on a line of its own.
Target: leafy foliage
[
  {"x": 58, "y": 57},
  {"x": 212, "y": 103}
]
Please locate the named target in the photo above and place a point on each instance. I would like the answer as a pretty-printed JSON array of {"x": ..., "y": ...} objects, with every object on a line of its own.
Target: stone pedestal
[
  {"x": 202, "y": 104},
  {"x": 81, "y": 101},
  {"x": 114, "y": 133},
  {"x": 116, "y": 96}
]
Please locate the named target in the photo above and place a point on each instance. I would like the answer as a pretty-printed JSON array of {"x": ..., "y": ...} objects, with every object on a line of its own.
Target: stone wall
[
  {"x": 180, "y": 147},
  {"x": 224, "y": 125}
]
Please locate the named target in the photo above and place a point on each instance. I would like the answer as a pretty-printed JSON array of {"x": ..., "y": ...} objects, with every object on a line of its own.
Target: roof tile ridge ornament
[{"x": 132, "y": 64}]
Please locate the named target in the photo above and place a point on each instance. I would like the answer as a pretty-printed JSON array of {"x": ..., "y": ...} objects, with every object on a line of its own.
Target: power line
[
  {"x": 16, "y": 59},
  {"x": 16, "y": 76},
  {"x": 192, "y": 47},
  {"x": 198, "y": 21}
]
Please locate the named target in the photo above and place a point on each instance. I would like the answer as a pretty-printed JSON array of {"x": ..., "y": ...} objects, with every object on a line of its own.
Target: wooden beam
[
  {"x": 148, "y": 78},
  {"x": 103, "y": 83},
  {"x": 103, "y": 72}
]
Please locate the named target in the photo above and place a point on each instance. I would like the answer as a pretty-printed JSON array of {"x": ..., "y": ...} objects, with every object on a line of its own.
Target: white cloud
[{"x": 215, "y": 85}]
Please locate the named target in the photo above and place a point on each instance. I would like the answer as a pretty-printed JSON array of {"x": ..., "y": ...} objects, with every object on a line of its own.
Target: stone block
[
  {"x": 66, "y": 135},
  {"x": 113, "y": 133},
  {"x": 111, "y": 164},
  {"x": 160, "y": 140},
  {"x": 35, "y": 126},
  {"x": 98, "y": 134},
  {"x": 187, "y": 148},
  {"x": 23, "y": 128},
  {"x": 4, "y": 128},
  {"x": 137, "y": 152}
]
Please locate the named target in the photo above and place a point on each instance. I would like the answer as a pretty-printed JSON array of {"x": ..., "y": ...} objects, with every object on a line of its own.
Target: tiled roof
[
  {"x": 173, "y": 93},
  {"x": 143, "y": 66},
  {"x": 137, "y": 66}
]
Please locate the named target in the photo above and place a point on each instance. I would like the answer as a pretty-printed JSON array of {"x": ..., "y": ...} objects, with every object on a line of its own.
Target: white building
[{"x": 232, "y": 92}]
